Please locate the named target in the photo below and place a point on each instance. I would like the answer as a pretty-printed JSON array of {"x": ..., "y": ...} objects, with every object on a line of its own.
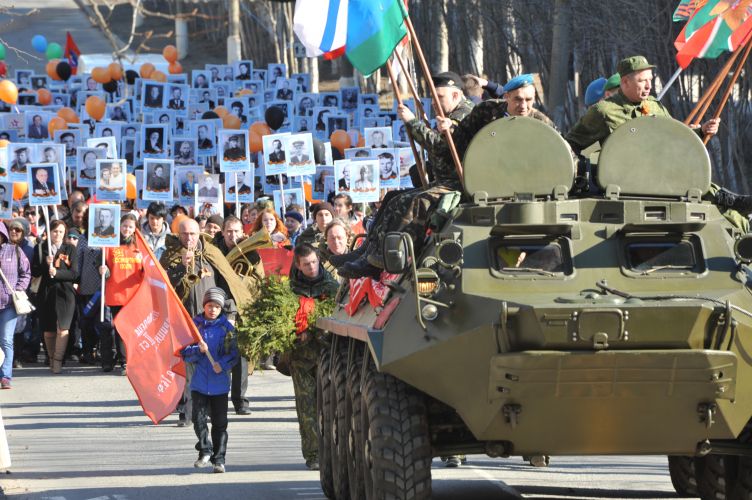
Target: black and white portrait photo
[
  {"x": 86, "y": 164},
  {"x": 184, "y": 151},
  {"x": 243, "y": 70},
  {"x": 153, "y": 95},
  {"x": 177, "y": 95},
  {"x": 235, "y": 152},
  {"x": 300, "y": 155},
  {"x": 378, "y": 138},
  {"x": 109, "y": 144},
  {"x": 158, "y": 181},
  {"x": 208, "y": 188},
  {"x": 154, "y": 139}
]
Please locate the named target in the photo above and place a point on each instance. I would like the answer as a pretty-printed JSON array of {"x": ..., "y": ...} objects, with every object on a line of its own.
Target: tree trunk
[
  {"x": 439, "y": 60},
  {"x": 561, "y": 48}
]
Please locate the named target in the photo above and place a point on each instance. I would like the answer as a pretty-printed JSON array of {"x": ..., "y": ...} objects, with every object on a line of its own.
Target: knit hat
[
  {"x": 324, "y": 205},
  {"x": 216, "y": 219},
  {"x": 74, "y": 233},
  {"x": 294, "y": 215},
  {"x": 20, "y": 222},
  {"x": 216, "y": 295}
]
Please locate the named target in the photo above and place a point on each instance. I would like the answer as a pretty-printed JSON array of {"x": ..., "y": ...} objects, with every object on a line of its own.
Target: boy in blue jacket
[{"x": 213, "y": 357}]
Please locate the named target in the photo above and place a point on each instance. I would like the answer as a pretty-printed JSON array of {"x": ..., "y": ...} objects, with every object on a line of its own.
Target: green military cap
[
  {"x": 613, "y": 82},
  {"x": 632, "y": 64}
]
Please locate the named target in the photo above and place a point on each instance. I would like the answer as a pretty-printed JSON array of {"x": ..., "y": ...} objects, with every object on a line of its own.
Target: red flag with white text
[
  {"x": 71, "y": 53},
  {"x": 155, "y": 326}
]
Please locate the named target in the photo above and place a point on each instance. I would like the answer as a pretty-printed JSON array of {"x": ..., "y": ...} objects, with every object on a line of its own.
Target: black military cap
[{"x": 447, "y": 79}]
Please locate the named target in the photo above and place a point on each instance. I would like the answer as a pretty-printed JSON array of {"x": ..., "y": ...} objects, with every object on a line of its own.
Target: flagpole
[
  {"x": 281, "y": 198},
  {"x": 398, "y": 97},
  {"x": 237, "y": 197},
  {"x": 101, "y": 297},
  {"x": 46, "y": 213},
  {"x": 436, "y": 105},
  {"x": 670, "y": 82},
  {"x": 730, "y": 87},
  {"x": 413, "y": 90},
  {"x": 705, "y": 100}
]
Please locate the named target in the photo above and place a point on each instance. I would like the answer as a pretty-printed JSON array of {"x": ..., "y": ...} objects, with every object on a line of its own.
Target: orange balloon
[
  {"x": 4, "y": 143},
  {"x": 44, "y": 97},
  {"x": 68, "y": 115},
  {"x": 95, "y": 107},
  {"x": 261, "y": 128},
  {"x": 19, "y": 190},
  {"x": 255, "y": 142},
  {"x": 340, "y": 140},
  {"x": 115, "y": 70},
  {"x": 56, "y": 123},
  {"x": 170, "y": 53},
  {"x": 101, "y": 75},
  {"x": 231, "y": 122},
  {"x": 130, "y": 187},
  {"x": 175, "y": 225},
  {"x": 8, "y": 92},
  {"x": 308, "y": 189},
  {"x": 52, "y": 69},
  {"x": 174, "y": 68},
  {"x": 158, "y": 76},
  {"x": 221, "y": 111},
  {"x": 146, "y": 70},
  {"x": 243, "y": 92}
]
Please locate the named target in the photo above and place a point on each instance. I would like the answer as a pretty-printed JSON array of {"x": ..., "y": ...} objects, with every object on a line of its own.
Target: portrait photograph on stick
[
  {"x": 158, "y": 180},
  {"x": 104, "y": 225}
]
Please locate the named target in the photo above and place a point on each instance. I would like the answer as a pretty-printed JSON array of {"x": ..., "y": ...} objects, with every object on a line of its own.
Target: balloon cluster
[{"x": 108, "y": 76}]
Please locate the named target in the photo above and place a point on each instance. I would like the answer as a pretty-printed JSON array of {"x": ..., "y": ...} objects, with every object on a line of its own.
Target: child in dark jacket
[{"x": 214, "y": 356}]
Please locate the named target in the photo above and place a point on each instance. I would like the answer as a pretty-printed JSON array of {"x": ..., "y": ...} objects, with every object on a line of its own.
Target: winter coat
[
  {"x": 223, "y": 350},
  {"x": 156, "y": 241}
]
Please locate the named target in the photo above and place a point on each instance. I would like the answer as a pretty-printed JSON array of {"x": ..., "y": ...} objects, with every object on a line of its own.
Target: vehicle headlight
[{"x": 428, "y": 281}]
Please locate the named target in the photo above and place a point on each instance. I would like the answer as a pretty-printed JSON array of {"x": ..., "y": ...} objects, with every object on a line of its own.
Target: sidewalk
[{"x": 52, "y": 19}]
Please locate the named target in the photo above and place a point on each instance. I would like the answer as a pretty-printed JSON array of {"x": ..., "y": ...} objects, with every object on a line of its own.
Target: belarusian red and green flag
[{"x": 714, "y": 27}]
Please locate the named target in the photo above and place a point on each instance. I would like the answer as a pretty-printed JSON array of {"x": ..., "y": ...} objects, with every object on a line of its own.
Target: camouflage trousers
[
  {"x": 408, "y": 211},
  {"x": 303, "y": 365}
]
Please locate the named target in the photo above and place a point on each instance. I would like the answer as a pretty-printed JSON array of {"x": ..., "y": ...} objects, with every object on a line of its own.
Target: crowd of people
[{"x": 47, "y": 253}]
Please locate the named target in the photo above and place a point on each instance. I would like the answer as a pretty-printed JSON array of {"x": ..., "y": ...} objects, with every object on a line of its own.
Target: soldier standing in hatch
[{"x": 406, "y": 210}]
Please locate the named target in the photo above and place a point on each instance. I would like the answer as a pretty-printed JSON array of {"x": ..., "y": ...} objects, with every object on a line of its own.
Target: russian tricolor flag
[{"x": 321, "y": 26}]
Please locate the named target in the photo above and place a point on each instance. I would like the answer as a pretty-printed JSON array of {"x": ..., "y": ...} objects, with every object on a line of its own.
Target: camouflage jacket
[
  {"x": 605, "y": 116},
  {"x": 483, "y": 114},
  {"x": 442, "y": 166}
]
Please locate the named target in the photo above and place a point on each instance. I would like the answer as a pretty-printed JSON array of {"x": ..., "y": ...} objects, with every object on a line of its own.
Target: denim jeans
[{"x": 8, "y": 319}]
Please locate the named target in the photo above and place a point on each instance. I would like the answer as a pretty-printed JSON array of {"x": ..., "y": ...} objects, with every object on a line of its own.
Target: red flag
[
  {"x": 276, "y": 260},
  {"x": 155, "y": 326},
  {"x": 71, "y": 53}
]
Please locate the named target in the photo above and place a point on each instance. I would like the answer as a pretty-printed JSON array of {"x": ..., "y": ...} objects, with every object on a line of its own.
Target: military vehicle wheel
[
  {"x": 340, "y": 422},
  {"x": 397, "y": 448},
  {"x": 355, "y": 436},
  {"x": 740, "y": 486},
  {"x": 682, "y": 470},
  {"x": 710, "y": 471},
  {"x": 324, "y": 419}
]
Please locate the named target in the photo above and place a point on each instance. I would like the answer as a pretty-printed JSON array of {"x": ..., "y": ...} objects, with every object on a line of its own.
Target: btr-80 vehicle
[{"x": 539, "y": 321}]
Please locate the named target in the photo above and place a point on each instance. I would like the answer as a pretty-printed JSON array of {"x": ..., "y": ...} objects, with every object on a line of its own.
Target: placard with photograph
[
  {"x": 349, "y": 98},
  {"x": 274, "y": 73},
  {"x": 111, "y": 180},
  {"x": 243, "y": 70},
  {"x": 13, "y": 121},
  {"x": 302, "y": 82},
  {"x": 36, "y": 125},
  {"x": 23, "y": 77},
  {"x": 244, "y": 182},
  {"x": 109, "y": 144},
  {"x": 337, "y": 121},
  {"x": 70, "y": 139},
  {"x": 44, "y": 179},
  {"x": 302, "y": 124},
  {"x": 284, "y": 90},
  {"x": 185, "y": 182},
  {"x": 364, "y": 180},
  {"x": 342, "y": 176},
  {"x": 176, "y": 98},
  {"x": 388, "y": 168},
  {"x": 140, "y": 202},
  {"x": 108, "y": 129},
  {"x": 20, "y": 155},
  {"x": 329, "y": 99},
  {"x": 378, "y": 138},
  {"x": 54, "y": 153},
  {"x": 200, "y": 79},
  {"x": 104, "y": 225},
  {"x": 118, "y": 113},
  {"x": 323, "y": 183},
  {"x": 300, "y": 155},
  {"x": 159, "y": 177},
  {"x": 205, "y": 132},
  {"x": 153, "y": 95},
  {"x": 154, "y": 140},
  {"x": 353, "y": 153},
  {"x": 236, "y": 155},
  {"x": 86, "y": 165},
  {"x": 275, "y": 156},
  {"x": 304, "y": 104},
  {"x": 6, "y": 200},
  {"x": 406, "y": 161},
  {"x": 208, "y": 188},
  {"x": 184, "y": 151},
  {"x": 291, "y": 197}
]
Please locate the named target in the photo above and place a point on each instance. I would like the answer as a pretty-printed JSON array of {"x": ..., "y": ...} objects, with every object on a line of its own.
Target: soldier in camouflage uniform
[
  {"x": 309, "y": 280},
  {"x": 634, "y": 100},
  {"x": 408, "y": 210}
]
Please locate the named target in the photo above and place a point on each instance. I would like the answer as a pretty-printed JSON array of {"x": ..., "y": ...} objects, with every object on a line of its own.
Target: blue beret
[
  {"x": 518, "y": 82},
  {"x": 595, "y": 91}
]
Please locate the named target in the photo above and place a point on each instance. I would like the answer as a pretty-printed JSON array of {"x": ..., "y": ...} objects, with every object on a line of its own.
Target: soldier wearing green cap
[
  {"x": 631, "y": 101},
  {"x": 612, "y": 85}
]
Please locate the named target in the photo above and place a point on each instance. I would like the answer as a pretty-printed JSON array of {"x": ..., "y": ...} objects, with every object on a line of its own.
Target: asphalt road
[{"x": 82, "y": 435}]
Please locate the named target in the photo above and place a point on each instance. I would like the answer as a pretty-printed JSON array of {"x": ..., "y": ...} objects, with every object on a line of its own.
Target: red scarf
[{"x": 307, "y": 305}]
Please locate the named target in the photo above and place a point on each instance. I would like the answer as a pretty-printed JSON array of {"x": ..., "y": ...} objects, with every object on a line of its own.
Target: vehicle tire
[
  {"x": 740, "y": 486},
  {"x": 355, "y": 436},
  {"x": 682, "y": 470},
  {"x": 324, "y": 419},
  {"x": 397, "y": 455},
  {"x": 710, "y": 472},
  {"x": 340, "y": 422}
]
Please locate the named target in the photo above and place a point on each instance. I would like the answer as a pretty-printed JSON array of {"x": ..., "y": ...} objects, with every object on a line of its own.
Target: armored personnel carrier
[{"x": 538, "y": 321}]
